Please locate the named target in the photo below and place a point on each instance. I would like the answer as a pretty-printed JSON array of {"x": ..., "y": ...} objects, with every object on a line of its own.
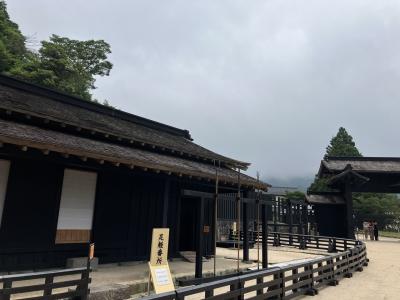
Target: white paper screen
[
  {"x": 4, "y": 170},
  {"x": 77, "y": 200}
]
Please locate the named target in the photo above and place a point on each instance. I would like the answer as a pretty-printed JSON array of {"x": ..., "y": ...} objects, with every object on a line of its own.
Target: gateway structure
[{"x": 73, "y": 172}]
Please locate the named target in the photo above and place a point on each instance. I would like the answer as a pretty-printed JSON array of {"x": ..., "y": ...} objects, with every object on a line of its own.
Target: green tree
[
  {"x": 61, "y": 63},
  {"x": 66, "y": 65},
  {"x": 342, "y": 145},
  {"x": 12, "y": 42},
  {"x": 383, "y": 208},
  {"x": 297, "y": 195}
]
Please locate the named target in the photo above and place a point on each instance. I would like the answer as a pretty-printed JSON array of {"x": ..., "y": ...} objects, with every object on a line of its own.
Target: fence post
[
  {"x": 333, "y": 281},
  {"x": 332, "y": 245},
  {"x": 260, "y": 280},
  {"x": 311, "y": 291},
  {"x": 276, "y": 243},
  {"x": 348, "y": 273},
  {"x": 47, "y": 290},
  {"x": 6, "y": 285}
]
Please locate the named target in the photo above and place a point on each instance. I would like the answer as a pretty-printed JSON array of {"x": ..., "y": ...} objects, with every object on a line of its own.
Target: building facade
[{"x": 74, "y": 172}]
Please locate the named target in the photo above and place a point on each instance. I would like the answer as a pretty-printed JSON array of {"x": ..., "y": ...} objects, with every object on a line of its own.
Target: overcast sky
[{"x": 266, "y": 81}]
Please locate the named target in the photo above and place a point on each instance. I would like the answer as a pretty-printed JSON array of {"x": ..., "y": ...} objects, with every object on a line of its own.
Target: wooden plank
[{"x": 72, "y": 236}]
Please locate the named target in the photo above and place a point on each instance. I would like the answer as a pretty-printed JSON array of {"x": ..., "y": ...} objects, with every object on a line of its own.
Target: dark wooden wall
[
  {"x": 128, "y": 205},
  {"x": 331, "y": 220}
]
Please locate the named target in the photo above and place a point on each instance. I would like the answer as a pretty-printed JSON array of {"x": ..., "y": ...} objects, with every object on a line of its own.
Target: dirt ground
[{"x": 379, "y": 281}]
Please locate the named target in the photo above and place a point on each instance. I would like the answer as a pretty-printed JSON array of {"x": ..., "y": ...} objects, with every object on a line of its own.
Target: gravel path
[{"x": 380, "y": 280}]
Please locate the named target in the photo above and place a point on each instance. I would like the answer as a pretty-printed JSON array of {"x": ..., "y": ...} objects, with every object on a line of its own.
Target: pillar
[
  {"x": 199, "y": 237},
  {"x": 245, "y": 232},
  {"x": 264, "y": 233}
]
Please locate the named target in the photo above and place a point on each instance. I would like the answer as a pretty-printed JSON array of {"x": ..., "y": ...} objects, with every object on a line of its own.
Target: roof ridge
[
  {"x": 89, "y": 105},
  {"x": 372, "y": 158}
]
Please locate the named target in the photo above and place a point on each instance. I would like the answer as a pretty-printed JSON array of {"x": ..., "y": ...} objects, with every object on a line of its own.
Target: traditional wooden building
[
  {"x": 347, "y": 175},
  {"x": 73, "y": 171}
]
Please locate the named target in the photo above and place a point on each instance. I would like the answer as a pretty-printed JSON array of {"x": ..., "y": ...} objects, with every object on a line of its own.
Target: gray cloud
[{"x": 264, "y": 81}]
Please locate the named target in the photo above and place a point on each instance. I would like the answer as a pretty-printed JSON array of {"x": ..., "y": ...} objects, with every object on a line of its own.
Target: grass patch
[{"x": 390, "y": 234}]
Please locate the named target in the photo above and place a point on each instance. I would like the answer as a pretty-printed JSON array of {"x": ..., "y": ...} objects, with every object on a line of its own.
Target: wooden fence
[
  {"x": 346, "y": 257},
  {"x": 62, "y": 284}
]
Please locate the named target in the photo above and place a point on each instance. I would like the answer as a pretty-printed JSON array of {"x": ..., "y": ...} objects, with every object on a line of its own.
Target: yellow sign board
[{"x": 160, "y": 273}]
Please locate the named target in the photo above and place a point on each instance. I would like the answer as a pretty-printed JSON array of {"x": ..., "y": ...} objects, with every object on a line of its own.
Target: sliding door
[{"x": 76, "y": 207}]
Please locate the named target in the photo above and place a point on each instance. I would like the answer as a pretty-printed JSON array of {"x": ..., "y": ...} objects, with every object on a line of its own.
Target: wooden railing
[
  {"x": 331, "y": 244},
  {"x": 288, "y": 281},
  {"x": 62, "y": 284}
]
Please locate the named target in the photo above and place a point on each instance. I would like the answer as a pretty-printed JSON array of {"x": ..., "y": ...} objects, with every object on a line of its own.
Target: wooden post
[
  {"x": 166, "y": 198},
  {"x": 199, "y": 244},
  {"x": 245, "y": 233},
  {"x": 275, "y": 207},
  {"x": 349, "y": 210},
  {"x": 289, "y": 210},
  {"x": 264, "y": 229},
  {"x": 238, "y": 204}
]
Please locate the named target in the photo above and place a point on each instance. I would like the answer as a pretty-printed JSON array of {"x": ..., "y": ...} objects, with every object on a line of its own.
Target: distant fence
[
  {"x": 302, "y": 241},
  {"x": 285, "y": 282}
]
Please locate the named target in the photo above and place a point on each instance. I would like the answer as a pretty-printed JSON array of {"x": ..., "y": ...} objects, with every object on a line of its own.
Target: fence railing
[
  {"x": 288, "y": 281},
  {"x": 70, "y": 283},
  {"x": 302, "y": 241}
]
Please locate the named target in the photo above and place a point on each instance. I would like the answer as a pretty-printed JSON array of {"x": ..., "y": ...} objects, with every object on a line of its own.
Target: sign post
[{"x": 160, "y": 274}]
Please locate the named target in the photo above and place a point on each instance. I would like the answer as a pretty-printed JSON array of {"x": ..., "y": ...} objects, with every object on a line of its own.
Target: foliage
[
  {"x": 297, "y": 195},
  {"x": 383, "y": 208},
  {"x": 320, "y": 185},
  {"x": 61, "y": 63},
  {"x": 66, "y": 65},
  {"x": 12, "y": 42},
  {"x": 342, "y": 145}
]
